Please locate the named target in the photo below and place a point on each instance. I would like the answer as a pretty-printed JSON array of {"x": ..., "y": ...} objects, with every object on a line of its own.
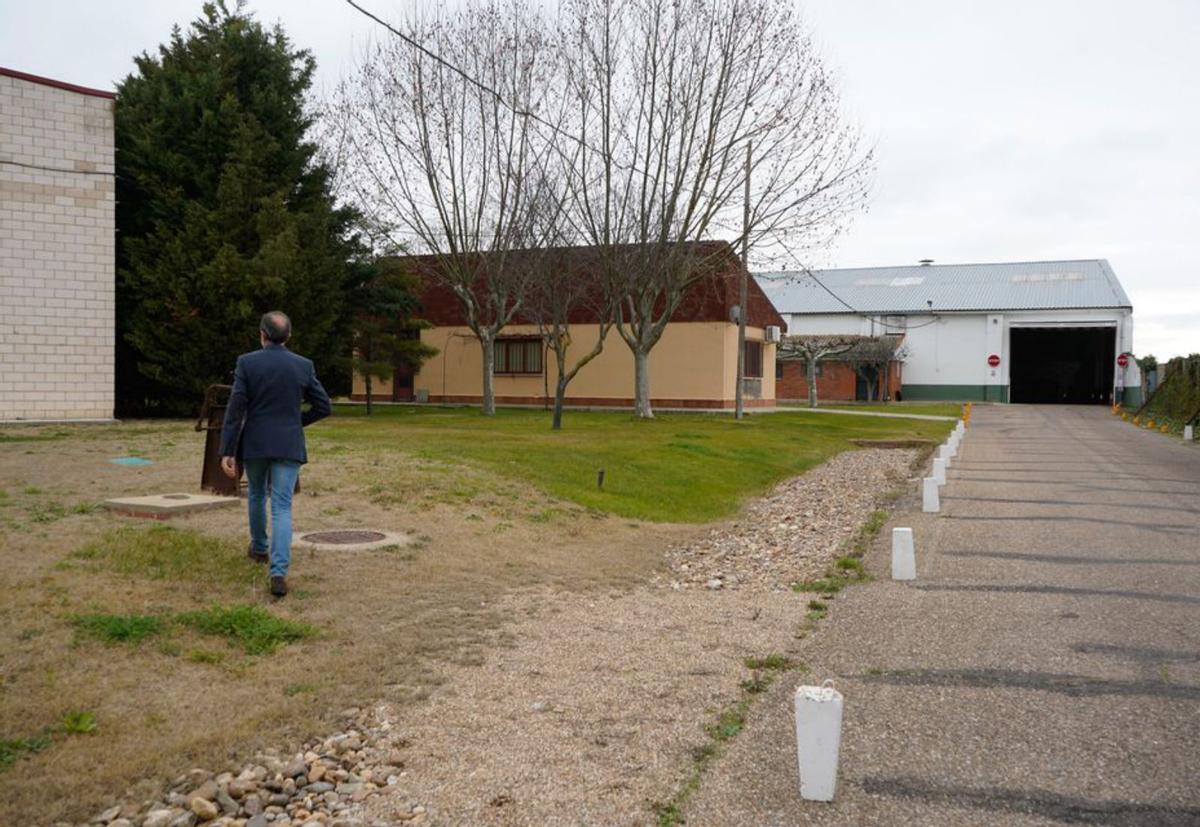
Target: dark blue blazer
[{"x": 264, "y": 420}]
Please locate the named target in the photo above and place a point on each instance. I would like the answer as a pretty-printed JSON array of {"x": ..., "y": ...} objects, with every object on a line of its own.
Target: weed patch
[
  {"x": 255, "y": 630},
  {"x": 165, "y": 553},
  {"x": 79, "y": 723},
  {"x": 775, "y": 663},
  {"x": 13, "y": 749},
  {"x": 118, "y": 628},
  {"x": 831, "y": 584}
]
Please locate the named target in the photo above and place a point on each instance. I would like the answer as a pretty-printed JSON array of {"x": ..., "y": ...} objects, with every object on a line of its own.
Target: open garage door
[{"x": 1071, "y": 365}]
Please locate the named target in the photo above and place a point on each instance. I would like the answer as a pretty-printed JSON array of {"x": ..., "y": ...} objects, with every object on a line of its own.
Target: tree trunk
[
  {"x": 812, "y": 382},
  {"x": 367, "y": 380},
  {"x": 560, "y": 393},
  {"x": 641, "y": 385},
  {"x": 488, "y": 346}
]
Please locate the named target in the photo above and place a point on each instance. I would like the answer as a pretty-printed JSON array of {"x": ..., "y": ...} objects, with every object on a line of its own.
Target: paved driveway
[{"x": 1043, "y": 669}]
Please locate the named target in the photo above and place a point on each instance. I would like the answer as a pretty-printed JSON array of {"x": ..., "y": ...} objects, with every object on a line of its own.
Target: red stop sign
[
  {"x": 994, "y": 360},
  {"x": 1123, "y": 359}
]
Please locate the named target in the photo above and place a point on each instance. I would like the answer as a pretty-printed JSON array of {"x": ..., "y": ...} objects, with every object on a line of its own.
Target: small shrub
[
  {"x": 118, "y": 628},
  {"x": 255, "y": 630},
  {"x": 204, "y": 656},
  {"x": 79, "y": 723}
]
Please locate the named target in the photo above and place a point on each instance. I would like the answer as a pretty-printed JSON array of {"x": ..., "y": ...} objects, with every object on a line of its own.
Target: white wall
[{"x": 952, "y": 348}]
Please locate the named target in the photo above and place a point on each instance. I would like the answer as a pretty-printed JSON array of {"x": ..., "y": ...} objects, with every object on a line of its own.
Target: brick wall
[
  {"x": 836, "y": 382},
  {"x": 57, "y": 264}
]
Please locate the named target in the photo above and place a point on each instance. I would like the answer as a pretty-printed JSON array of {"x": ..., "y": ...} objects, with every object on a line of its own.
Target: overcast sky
[{"x": 1006, "y": 131}]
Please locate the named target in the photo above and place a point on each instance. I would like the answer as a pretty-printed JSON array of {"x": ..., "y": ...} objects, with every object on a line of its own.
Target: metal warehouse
[{"x": 1038, "y": 331}]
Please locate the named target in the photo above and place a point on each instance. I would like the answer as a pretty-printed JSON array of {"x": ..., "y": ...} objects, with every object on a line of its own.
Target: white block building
[
  {"x": 57, "y": 257},
  {"x": 1042, "y": 331}
]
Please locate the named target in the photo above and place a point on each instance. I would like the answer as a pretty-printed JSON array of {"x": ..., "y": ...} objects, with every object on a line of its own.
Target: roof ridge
[{"x": 935, "y": 266}]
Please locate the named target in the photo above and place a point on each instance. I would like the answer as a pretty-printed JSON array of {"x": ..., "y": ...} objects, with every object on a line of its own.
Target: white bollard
[
  {"x": 953, "y": 446},
  {"x": 943, "y": 453},
  {"x": 904, "y": 560},
  {"x": 939, "y": 471},
  {"x": 1188, "y": 433},
  {"x": 929, "y": 496},
  {"x": 818, "y": 739}
]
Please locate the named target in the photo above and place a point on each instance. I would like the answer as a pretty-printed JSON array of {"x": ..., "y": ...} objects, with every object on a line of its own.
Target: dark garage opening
[{"x": 1071, "y": 365}]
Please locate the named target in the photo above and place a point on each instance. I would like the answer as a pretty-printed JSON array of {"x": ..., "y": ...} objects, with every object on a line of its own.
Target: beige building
[
  {"x": 57, "y": 258},
  {"x": 693, "y": 366}
]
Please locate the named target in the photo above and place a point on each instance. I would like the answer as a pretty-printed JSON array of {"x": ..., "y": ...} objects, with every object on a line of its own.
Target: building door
[
  {"x": 1070, "y": 365},
  {"x": 402, "y": 384}
]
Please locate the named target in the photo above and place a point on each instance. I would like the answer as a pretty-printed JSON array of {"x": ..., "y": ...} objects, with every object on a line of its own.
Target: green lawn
[
  {"x": 923, "y": 408},
  {"x": 676, "y": 467}
]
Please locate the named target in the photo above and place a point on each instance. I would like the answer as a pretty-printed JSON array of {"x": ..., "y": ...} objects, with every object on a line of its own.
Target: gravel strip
[{"x": 793, "y": 532}]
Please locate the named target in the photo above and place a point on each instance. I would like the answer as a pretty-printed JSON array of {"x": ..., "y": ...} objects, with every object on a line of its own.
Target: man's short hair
[{"x": 276, "y": 326}]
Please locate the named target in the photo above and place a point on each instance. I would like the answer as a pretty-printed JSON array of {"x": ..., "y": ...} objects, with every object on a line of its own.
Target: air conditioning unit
[{"x": 773, "y": 334}]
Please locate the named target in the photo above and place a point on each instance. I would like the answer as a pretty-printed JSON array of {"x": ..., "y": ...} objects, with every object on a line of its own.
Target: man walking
[{"x": 264, "y": 427}]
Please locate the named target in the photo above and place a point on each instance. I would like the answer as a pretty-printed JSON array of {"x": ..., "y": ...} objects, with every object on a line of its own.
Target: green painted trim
[
  {"x": 955, "y": 393},
  {"x": 1132, "y": 398}
]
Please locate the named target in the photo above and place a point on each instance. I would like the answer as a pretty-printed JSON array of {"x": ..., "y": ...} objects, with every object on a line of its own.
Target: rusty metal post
[{"x": 211, "y": 421}]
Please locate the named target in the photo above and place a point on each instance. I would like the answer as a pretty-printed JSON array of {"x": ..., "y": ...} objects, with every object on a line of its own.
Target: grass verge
[{"x": 673, "y": 468}]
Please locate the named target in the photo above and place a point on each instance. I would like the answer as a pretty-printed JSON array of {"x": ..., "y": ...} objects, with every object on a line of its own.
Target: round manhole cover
[{"x": 344, "y": 538}]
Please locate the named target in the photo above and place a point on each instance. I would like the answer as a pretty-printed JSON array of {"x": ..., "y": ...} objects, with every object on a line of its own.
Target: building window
[
  {"x": 753, "y": 360},
  {"x": 804, "y": 368},
  {"x": 778, "y": 369},
  {"x": 518, "y": 356}
]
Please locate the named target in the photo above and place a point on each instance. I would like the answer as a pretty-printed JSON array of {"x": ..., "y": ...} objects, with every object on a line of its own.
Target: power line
[
  {"x": 525, "y": 113},
  {"x": 478, "y": 84},
  {"x": 56, "y": 169}
]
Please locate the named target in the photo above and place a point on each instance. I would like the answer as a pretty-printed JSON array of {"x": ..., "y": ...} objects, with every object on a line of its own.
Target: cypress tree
[{"x": 224, "y": 212}]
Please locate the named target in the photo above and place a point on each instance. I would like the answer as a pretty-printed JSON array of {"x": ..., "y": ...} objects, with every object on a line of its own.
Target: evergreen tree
[
  {"x": 386, "y": 331},
  {"x": 224, "y": 212}
]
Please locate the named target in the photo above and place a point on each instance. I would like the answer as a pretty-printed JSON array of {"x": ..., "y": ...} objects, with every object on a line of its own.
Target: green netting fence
[{"x": 1176, "y": 401}]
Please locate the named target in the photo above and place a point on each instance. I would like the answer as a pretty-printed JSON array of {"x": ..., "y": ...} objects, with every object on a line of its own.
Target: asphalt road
[{"x": 1043, "y": 669}]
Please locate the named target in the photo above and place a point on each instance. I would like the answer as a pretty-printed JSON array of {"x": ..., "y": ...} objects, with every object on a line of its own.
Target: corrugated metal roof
[{"x": 1023, "y": 285}]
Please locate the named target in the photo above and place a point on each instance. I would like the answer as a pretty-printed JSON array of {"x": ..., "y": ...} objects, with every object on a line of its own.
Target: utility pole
[{"x": 743, "y": 292}]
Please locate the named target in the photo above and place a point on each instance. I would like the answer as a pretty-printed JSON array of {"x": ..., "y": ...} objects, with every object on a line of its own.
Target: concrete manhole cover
[
  {"x": 342, "y": 538},
  {"x": 352, "y": 539}
]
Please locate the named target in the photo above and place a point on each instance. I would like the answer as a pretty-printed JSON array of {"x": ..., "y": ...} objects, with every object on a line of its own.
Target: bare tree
[
  {"x": 812, "y": 349},
  {"x": 443, "y": 158},
  {"x": 666, "y": 96},
  {"x": 871, "y": 357},
  {"x": 565, "y": 285}
]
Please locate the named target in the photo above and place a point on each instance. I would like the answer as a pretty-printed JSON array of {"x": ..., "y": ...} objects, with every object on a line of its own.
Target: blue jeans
[{"x": 279, "y": 475}]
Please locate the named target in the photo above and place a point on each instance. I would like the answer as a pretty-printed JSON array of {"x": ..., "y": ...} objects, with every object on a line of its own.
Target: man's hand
[{"x": 229, "y": 466}]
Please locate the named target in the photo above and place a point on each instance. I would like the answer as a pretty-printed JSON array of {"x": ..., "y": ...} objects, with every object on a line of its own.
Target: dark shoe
[
  {"x": 257, "y": 556},
  {"x": 278, "y": 585}
]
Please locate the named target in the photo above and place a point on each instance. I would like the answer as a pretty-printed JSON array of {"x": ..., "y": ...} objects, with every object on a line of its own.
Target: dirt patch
[{"x": 391, "y": 622}]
